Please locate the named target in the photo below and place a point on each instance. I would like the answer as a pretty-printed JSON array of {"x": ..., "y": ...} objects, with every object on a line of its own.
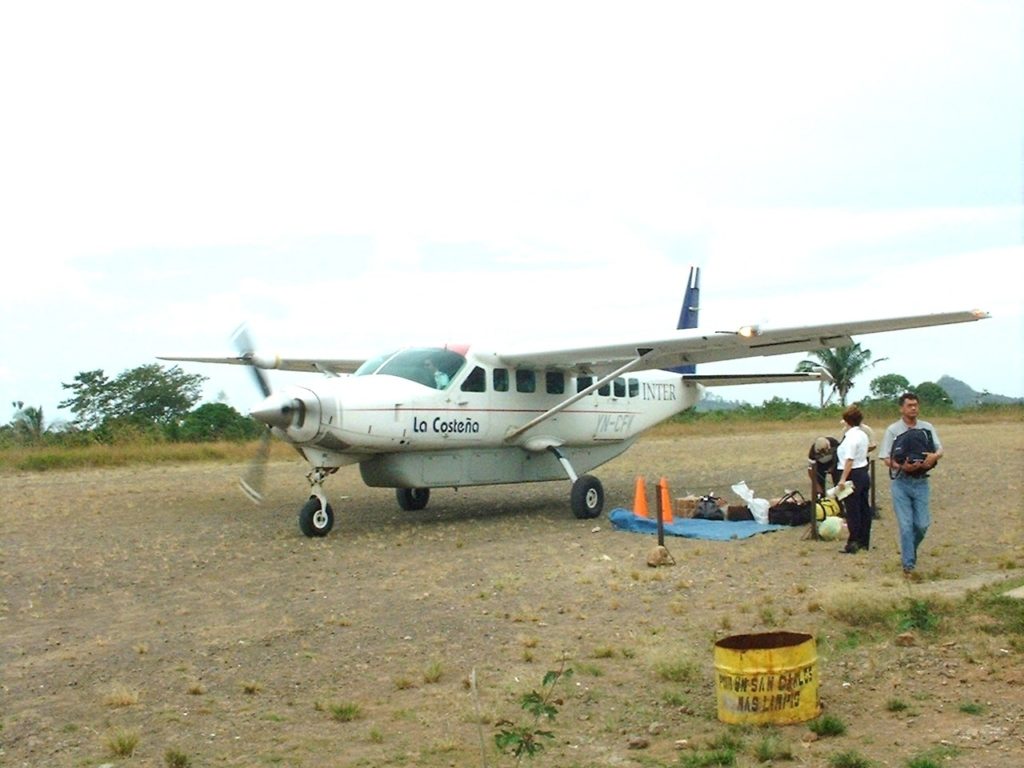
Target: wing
[
  {"x": 304, "y": 364},
  {"x": 694, "y": 347}
]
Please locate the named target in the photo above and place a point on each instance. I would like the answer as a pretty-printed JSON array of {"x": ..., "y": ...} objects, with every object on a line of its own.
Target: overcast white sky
[{"x": 348, "y": 177}]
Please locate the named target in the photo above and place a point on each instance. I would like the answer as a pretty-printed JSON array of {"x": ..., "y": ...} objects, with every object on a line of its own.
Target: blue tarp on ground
[{"x": 691, "y": 528}]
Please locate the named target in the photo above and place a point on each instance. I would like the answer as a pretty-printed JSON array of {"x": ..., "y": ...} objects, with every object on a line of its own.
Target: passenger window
[
  {"x": 620, "y": 387},
  {"x": 604, "y": 390},
  {"x": 476, "y": 381},
  {"x": 634, "y": 387},
  {"x": 500, "y": 379},
  {"x": 554, "y": 381},
  {"x": 526, "y": 380},
  {"x": 582, "y": 382}
]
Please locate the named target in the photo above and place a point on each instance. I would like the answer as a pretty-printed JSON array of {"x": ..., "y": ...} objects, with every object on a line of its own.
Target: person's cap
[{"x": 823, "y": 449}]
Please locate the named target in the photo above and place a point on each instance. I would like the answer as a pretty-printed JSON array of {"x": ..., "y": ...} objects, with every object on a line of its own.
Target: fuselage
[{"x": 453, "y": 416}]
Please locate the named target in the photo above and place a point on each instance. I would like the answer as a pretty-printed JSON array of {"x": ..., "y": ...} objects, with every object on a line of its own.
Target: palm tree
[
  {"x": 843, "y": 365},
  {"x": 28, "y": 421}
]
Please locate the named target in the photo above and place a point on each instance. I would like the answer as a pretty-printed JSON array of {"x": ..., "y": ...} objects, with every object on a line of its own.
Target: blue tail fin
[{"x": 688, "y": 312}]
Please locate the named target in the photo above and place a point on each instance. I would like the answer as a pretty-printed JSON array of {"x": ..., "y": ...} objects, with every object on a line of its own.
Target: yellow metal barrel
[{"x": 770, "y": 677}]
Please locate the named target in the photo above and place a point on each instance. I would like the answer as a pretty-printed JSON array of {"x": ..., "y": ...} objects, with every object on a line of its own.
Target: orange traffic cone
[
  {"x": 666, "y": 501},
  {"x": 640, "y": 498}
]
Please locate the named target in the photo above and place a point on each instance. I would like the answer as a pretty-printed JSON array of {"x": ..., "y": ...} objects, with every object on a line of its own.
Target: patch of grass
[
  {"x": 895, "y": 705},
  {"x": 676, "y": 669},
  {"x": 122, "y": 743},
  {"x": 772, "y": 747},
  {"x": 345, "y": 712},
  {"x": 827, "y": 725},
  {"x": 705, "y": 759},
  {"x": 433, "y": 672},
  {"x": 858, "y": 607},
  {"x": 849, "y": 759},
  {"x": 920, "y": 615},
  {"x": 604, "y": 652},
  {"x": 972, "y": 708},
  {"x": 251, "y": 688},
  {"x": 121, "y": 696},
  {"x": 933, "y": 758},
  {"x": 174, "y": 758}
]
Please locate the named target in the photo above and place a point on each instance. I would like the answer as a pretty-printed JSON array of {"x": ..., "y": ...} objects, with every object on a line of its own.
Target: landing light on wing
[{"x": 749, "y": 331}]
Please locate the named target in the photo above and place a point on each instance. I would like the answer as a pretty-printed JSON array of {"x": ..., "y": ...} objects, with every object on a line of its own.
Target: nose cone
[{"x": 276, "y": 411}]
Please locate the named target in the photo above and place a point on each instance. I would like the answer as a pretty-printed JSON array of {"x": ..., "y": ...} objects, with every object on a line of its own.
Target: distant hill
[{"x": 963, "y": 396}]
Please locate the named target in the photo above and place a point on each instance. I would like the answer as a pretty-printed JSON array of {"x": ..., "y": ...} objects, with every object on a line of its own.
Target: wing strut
[{"x": 579, "y": 395}]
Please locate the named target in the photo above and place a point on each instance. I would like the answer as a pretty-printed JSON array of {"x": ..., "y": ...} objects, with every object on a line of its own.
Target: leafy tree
[
  {"x": 931, "y": 395},
  {"x": 146, "y": 395},
  {"x": 217, "y": 421},
  {"x": 843, "y": 365},
  {"x": 889, "y": 387},
  {"x": 90, "y": 401}
]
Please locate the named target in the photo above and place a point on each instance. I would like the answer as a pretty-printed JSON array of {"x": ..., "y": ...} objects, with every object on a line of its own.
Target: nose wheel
[{"x": 316, "y": 518}]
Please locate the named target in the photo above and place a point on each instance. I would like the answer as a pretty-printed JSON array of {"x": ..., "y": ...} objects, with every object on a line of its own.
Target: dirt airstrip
[{"x": 155, "y": 611}]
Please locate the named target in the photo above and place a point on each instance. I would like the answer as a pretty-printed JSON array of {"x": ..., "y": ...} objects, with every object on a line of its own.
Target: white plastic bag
[{"x": 758, "y": 507}]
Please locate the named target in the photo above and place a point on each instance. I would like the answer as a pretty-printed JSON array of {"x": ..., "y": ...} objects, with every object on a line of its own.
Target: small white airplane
[{"x": 454, "y": 415}]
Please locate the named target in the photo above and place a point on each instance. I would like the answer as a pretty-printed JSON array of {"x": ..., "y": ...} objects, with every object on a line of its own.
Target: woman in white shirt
[{"x": 852, "y": 456}]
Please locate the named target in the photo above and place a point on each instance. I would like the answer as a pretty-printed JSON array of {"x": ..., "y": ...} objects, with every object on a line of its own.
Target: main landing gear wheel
[
  {"x": 314, "y": 519},
  {"x": 587, "y": 497},
  {"x": 412, "y": 499}
]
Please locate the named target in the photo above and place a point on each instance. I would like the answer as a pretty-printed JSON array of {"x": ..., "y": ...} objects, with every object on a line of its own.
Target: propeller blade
[
  {"x": 251, "y": 482},
  {"x": 246, "y": 351}
]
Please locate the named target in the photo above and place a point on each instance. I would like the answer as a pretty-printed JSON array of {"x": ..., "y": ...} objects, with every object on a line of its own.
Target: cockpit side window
[{"x": 476, "y": 381}]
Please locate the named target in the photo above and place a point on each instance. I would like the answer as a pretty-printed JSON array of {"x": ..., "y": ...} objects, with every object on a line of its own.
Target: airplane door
[{"x": 471, "y": 411}]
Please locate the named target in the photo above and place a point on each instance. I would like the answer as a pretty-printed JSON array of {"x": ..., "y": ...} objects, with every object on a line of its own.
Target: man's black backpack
[{"x": 912, "y": 445}]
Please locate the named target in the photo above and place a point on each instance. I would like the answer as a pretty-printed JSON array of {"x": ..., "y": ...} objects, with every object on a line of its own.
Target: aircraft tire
[
  {"x": 587, "y": 497},
  {"x": 412, "y": 499},
  {"x": 313, "y": 521}
]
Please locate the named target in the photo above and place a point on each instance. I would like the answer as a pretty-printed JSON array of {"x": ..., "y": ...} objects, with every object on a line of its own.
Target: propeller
[{"x": 251, "y": 482}]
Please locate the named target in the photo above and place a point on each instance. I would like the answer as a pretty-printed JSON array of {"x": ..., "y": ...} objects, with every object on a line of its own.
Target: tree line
[{"x": 151, "y": 402}]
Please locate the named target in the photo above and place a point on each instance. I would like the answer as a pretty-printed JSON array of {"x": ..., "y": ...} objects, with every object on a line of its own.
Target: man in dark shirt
[{"x": 821, "y": 462}]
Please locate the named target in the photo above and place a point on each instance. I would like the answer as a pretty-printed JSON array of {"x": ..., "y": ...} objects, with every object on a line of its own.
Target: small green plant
[
  {"x": 971, "y": 708},
  {"x": 895, "y": 705},
  {"x": 933, "y": 758},
  {"x": 433, "y": 672},
  {"x": 174, "y": 758},
  {"x": 345, "y": 712},
  {"x": 918, "y": 615},
  {"x": 771, "y": 748},
  {"x": 828, "y": 725},
  {"x": 122, "y": 743},
  {"x": 706, "y": 759},
  {"x": 526, "y": 740},
  {"x": 849, "y": 759},
  {"x": 674, "y": 669}
]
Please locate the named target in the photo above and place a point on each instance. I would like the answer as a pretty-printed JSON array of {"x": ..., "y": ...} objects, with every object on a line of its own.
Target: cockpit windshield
[{"x": 431, "y": 366}]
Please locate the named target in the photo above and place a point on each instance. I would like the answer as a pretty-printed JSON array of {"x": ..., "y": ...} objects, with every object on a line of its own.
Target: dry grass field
[{"x": 151, "y": 616}]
